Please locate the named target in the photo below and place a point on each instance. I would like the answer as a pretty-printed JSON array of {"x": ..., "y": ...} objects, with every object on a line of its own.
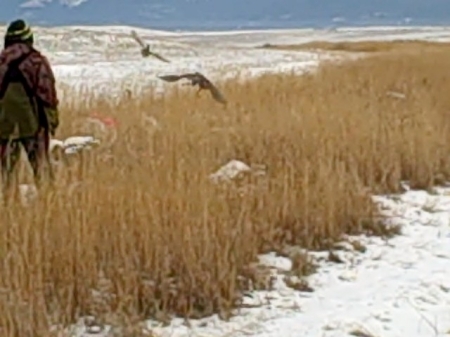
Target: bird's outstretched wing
[
  {"x": 159, "y": 57},
  {"x": 174, "y": 78},
  {"x": 216, "y": 94},
  {"x": 170, "y": 78},
  {"x": 138, "y": 39},
  {"x": 198, "y": 79},
  {"x": 145, "y": 48}
]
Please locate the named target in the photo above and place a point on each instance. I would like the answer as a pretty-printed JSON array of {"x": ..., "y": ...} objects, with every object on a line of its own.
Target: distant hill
[{"x": 228, "y": 14}]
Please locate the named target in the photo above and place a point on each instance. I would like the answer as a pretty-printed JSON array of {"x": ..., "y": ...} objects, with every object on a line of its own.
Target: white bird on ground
[
  {"x": 234, "y": 168},
  {"x": 74, "y": 144},
  {"x": 59, "y": 149}
]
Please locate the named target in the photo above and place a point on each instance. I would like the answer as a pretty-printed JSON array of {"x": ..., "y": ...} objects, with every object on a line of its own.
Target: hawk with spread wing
[
  {"x": 200, "y": 80},
  {"x": 145, "y": 48}
]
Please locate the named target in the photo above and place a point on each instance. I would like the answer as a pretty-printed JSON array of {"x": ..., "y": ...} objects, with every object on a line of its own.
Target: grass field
[
  {"x": 138, "y": 230},
  {"x": 397, "y": 46}
]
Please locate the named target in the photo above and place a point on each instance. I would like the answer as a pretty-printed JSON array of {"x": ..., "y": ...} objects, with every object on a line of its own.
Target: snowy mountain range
[{"x": 228, "y": 14}]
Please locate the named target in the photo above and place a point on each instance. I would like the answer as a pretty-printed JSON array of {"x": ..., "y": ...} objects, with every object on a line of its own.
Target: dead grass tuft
[
  {"x": 143, "y": 232},
  {"x": 402, "y": 46}
]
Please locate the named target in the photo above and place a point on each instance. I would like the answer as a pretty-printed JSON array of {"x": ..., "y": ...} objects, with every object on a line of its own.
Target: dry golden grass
[
  {"x": 402, "y": 46},
  {"x": 148, "y": 230}
]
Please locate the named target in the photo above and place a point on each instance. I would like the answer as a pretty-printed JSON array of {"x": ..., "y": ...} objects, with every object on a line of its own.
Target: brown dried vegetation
[
  {"x": 145, "y": 233},
  {"x": 397, "y": 46}
]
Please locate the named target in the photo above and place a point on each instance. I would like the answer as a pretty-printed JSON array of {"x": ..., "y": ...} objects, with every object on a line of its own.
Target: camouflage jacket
[{"x": 26, "y": 108}]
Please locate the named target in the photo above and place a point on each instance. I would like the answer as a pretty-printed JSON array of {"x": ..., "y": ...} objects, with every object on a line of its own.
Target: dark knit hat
[{"x": 18, "y": 31}]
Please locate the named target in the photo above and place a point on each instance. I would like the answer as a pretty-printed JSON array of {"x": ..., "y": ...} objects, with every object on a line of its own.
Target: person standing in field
[{"x": 28, "y": 103}]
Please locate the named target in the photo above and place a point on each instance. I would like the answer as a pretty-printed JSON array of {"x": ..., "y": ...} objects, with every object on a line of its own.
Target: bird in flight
[
  {"x": 145, "y": 48},
  {"x": 200, "y": 80}
]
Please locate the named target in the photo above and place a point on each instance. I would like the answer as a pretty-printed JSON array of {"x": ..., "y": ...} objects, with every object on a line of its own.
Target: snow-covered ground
[
  {"x": 107, "y": 59},
  {"x": 395, "y": 288},
  {"x": 398, "y": 287}
]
